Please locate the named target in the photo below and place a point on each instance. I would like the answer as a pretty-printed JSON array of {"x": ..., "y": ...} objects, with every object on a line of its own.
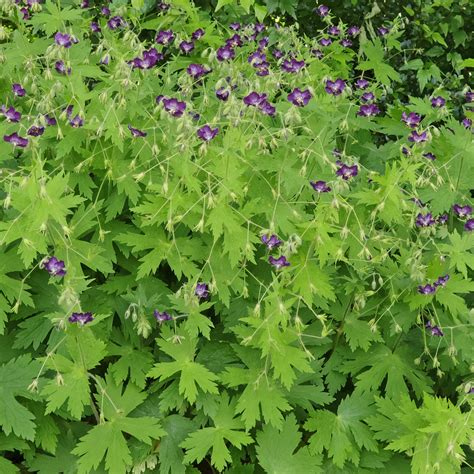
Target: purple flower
[
  {"x": 279, "y": 262},
  {"x": 469, "y": 225},
  {"x": 164, "y": 37},
  {"x": 163, "y": 7},
  {"x": 35, "y": 131},
  {"x": 105, "y": 11},
  {"x": 197, "y": 34},
  {"x": 150, "y": 59},
  {"x": 202, "y": 290},
  {"x": 271, "y": 242},
  {"x": 334, "y": 30},
  {"x": 335, "y": 87},
  {"x": 317, "y": 53},
  {"x": 254, "y": 99},
  {"x": 367, "y": 97},
  {"x": 63, "y": 39},
  {"x": 263, "y": 43},
  {"x": 50, "y": 120},
  {"x": 186, "y": 46},
  {"x": 11, "y": 114},
  {"x": 299, "y": 98},
  {"x": 426, "y": 289},
  {"x": 235, "y": 26},
  {"x": 325, "y": 41},
  {"x": 466, "y": 123},
  {"x": 116, "y": 22},
  {"x": 262, "y": 71},
  {"x": 368, "y": 110},
  {"x": 438, "y": 101},
  {"x": 435, "y": 330},
  {"x": 206, "y": 133},
  {"x": 441, "y": 281},
  {"x": 61, "y": 68},
  {"x": 383, "y": 31},
  {"x": 462, "y": 211},
  {"x": 224, "y": 53},
  {"x": 234, "y": 41},
  {"x": 346, "y": 172},
  {"x": 320, "y": 186},
  {"x": 162, "y": 317},
  {"x": 292, "y": 65},
  {"x": 25, "y": 13},
  {"x": 76, "y": 122},
  {"x": 85, "y": 4},
  {"x": 95, "y": 27},
  {"x": 222, "y": 94},
  {"x": 18, "y": 90},
  {"x": 353, "y": 30},
  {"x": 136, "y": 132},
  {"x": 469, "y": 96},
  {"x": 412, "y": 119},
  {"x": 267, "y": 108},
  {"x": 55, "y": 267},
  {"x": 346, "y": 42},
  {"x": 259, "y": 27},
  {"x": 277, "y": 53},
  {"x": 416, "y": 137},
  {"x": 429, "y": 156},
  {"x": 81, "y": 318},
  {"x": 175, "y": 107},
  {"x": 257, "y": 58},
  {"x": 322, "y": 10},
  {"x": 196, "y": 71},
  {"x": 16, "y": 140},
  {"x": 424, "y": 220},
  {"x": 443, "y": 219},
  {"x": 362, "y": 84}
]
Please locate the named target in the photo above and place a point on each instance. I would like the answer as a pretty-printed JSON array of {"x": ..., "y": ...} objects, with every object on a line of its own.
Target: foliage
[{"x": 221, "y": 251}]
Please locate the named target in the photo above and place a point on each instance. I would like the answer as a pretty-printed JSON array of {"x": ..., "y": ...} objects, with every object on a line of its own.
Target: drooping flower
[
  {"x": 322, "y": 10},
  {"x": 186, "y": 46},
  {"x": 164, "y": 37},
  {"x": 161, "y": 317},
  {"x": 353, "y": 30},
  {"x": 35, "y": 131},
  {"x": 206, "y": 133},
  {"x": 438, "y": 101},
  {"x": 136, "y": 132},
  {"x": 16, "y": 140},
  {"x": 222, "y": 94},
  {"x": 18, "y": 90},
  {"x": 426, "y": 289},
  {"x": 81, "y": 318},
  {"x": 469, "y": 225},
  {"x": 368, "y": 110},
  {"x": 174, "y": 107},
  {"x": 63, "y": 39},
  {"x": 346, "y": 172},
  {"x": 416, "y": 137},
  {"x": 224, "y": 53},
  {"x": 362, "y": 83},
  {"x": 299, "y": 98},
  {"x": 320, "y": 186},
  {"x": 201, "y": 290},
  {"x": 424, "y": 220},
  {"x": 25, "y": 13},
  {"x": 197, "y": 34},
  {"x": 196, "y": 71},
  {"x": 292, "y": 65},
  {"x": 279, "y": 262},
  {"x": 271, "y": 241},
  {"x": 429, "y": 156},
  {"x": 61, "y": 68},
  {"x": 11, "y": 114},
  {"x": 435, "y": 330},
  {"x": 76, "y": 122},
  {"x": 55, "y": 267},
  {"x": 335, "y": 87},
  {"x": 462, "y": 211}
]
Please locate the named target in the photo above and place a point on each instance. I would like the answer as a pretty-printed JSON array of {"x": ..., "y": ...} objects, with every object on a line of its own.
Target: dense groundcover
[{"x": 227, "y": 246}]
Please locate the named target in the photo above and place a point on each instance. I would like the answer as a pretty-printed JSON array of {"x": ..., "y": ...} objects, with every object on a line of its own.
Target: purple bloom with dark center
[
  {"x": 469, "y": 96},
  {"x": 161, "y": 317},
  {"x": 267, "y": 108},
  {"x": 424, "y": 220},
  {"x": 224, "y": 53},
  {"x": 469, "y": 225},
  {"x": 50, "y": 120},
  {"x": 467, "y": 123},
  {"x": 76, "y": 122},
  {"x": 186, "y": 46},
  {"x": 234, "y": 41},
  {"x": 235, "y": 26},
  {"x": 202, "y": 290},
  {"x": 335, "y": 87},
  {"x": 206, "y": 133},
  {"x": 279, "y": 262},
  {"x": 412, "y": 119},
  {"x": 299, "y": 98},
  {"x": 63, "y": 39},
  {"x": 25, "y": 13},
  {"x": 438, "y": 101},
  {"x": 61, "y": 68},
  {"x": 383, "y": 31},
  {"x": 222, "y": 94},
  {"x": 271, "y": 241},
  {"x": 55, "y": 267},
  {"x": 197, "y": 34},
  {"x": 95, "y": 27},
  {"x": 175, "y": 107},
  {"x": 254, "y": 99},
  {"x": 11, "y": 114},
  {"x": 346, "y": 42},
  {"x": 322, "y": 10},
  {"x": 334, "y": 30},
  {"x": 164, "y": 37},
  {"x": 116, "y": 22},
  {"x": 196, "y": 71},
  {"x": 441, "y": 281},
  {"x": 105, "y": 11},
  {"x": 368, "y": 110},
  {"x": 353, "y": 30},
  {"x": 346, "y": 172},
  {"x": 462, "y": 211},
  {"x": 435, "y": 330},
  {"x": 81, "y": 318},
  {"x": 443, "y": 219},
  {"x": 18, "y": 90},
  {"x": 416, "y": 137},
  {"x": 317, "y": 53},
  {"x": 35, "y": 131},
  {"x": 136, "y": 132},
  {"x": 426, "y": 289},
  {"x": 362, "y": 84},
  {"x": 367, "y": 97},
  {"x": 320, "y": 186},
  {"x": 16, "y": 140},
  {"x": 429, "y": 156},
  {"x": 292, "y": 65},
  {"x": 325, "y": 41}
]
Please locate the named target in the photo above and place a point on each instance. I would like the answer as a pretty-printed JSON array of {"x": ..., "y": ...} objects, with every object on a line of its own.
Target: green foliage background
[{"x": 324, "y": 366}]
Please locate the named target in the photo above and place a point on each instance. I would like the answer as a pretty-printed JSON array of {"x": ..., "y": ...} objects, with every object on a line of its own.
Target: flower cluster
[{"x": 430, "y": 289}]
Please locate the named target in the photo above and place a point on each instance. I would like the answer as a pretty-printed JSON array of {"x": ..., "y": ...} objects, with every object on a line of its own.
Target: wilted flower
[
  {"x": 136, "y": 132},
  {"x": 299, "y": 98},
  {"x": 16, "y": 140},
  {"x": 462, "y": 211},
  {"x": 320, "y": 186},
  {"x": 202, "y": 290},
  {"x": 81, "y": 318},
  {"x": 161, "y": 317},
  {"x": 435, "y": 330},
  {"x": 335, "y": 87},
  {"x": 279, "y": 262},
  {"x": 416, "y": 137},
  {"x": 424, "y": 220},
  {"x": 438, "y": 101},
  {"x": 55, "y": 267},
  {"x": 346, "y": 172},
  {"x": 18, "y": 90},
  {"x": 271, "y": 241},
  {"x": 206, "y": 133},
  {"x": 164, "y": 37}
]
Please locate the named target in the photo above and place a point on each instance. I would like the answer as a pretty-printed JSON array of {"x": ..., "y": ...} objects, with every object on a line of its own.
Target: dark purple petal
[
  {"x": 16, "y": 140},
  {"x": 116, "y": 22},
  {"x": 35, "y": 131},
  {"x": 322, "y": 10},
  {"x": 429, "y": 156},
  {"x": 469, "y": 96},
  {"x": 254, "y": 99},
  {"x": 335, "y": 87},
  {"x": 18, "y": 90},
  {"x": 412, "y": 119},
  {"x": 416, "y": 137},
  {"x": 202, "y": 290},
  {"x": 435, "y": 330},
  {"x": 76, "y": 122},
  {"x": 325, "y": 41},
  {"x": 55, "y": 267},
  {"x": 196, "y": 71},
  {"x": 320, "y": 186},
  {"x": 362, "y": 84},
  {"x": 235, "y": 26},
  {"x": 11, "y": 114},
  {"x": 164, "y": 37},
  {"x": 222, "y": 94},
  {"x": 367, "y": 97},
  {"x": 383, "y": 31},
  {"x": 198, "y": 34},
  {"x": 224, "y": 53},
  {"x": 438, "y": 101},
  {"x": 279, "y": 262},
  {"x": 368, "y": 110},
  {"x": 61, "y": 68},
  {"x": 441, "y": 281},
  {"x": 299, "y": 98},
  {"x": 334, "y": 30},
  {"x": 161, "y": 317},
  {"x": 206, "y": 133},
  {"x": 426, "y": 289},
  {"x": 175, "y": 107},
  {"x": 424, "y": 220},
  {"x": 346, "y": 172},
  {"x": 63, "y": 39},
  {"x": 186, "y": 46},
  {"x": 136, "y": 132},
  {"x": 469, "y": 225},
  {"x": 271, "y": 241},
  {"x": 95, "y": 27},
  {"x": 81, "y": 318},
  {"x": 353, "y": 31},
  {"x": 292, "y": 65},
  {"x": 466, "y": 123},
  {"x": 462, "y": 211}
]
